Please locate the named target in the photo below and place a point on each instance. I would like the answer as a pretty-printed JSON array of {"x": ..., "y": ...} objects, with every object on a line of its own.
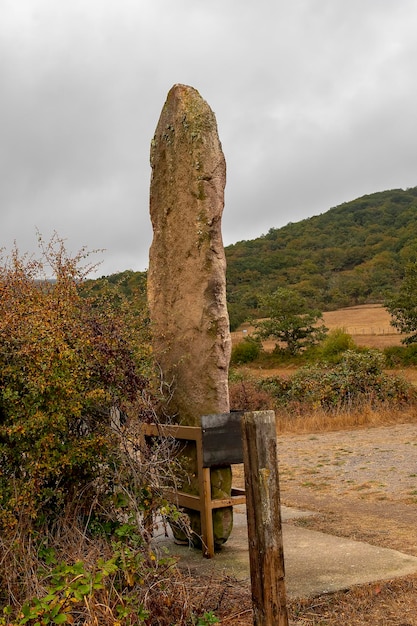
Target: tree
[
  {"x": 289, "y": 321},
  {"x": 403, "y": 305}
]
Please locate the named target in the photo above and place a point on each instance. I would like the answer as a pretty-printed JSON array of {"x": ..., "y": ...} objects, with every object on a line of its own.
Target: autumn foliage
[
  {"x": 80, "y": 489},
  {"x": 66, "y": 359}
]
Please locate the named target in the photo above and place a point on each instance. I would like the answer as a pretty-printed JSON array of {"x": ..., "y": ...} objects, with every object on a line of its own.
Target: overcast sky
[{"x": 315, "y": 100}]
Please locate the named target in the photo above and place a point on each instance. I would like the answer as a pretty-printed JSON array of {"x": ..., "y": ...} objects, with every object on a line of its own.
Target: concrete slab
[{"x": 315, "y": 563}]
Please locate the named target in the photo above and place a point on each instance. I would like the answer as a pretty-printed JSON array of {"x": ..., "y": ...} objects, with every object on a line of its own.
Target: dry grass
[
  {"x": 366, "y": 319},
  {"x": 321, "y": 421},
  {"x": 368, "y": 324},
  {"x": 144, "y": 579},
  {"x": 391, "y": 603}
]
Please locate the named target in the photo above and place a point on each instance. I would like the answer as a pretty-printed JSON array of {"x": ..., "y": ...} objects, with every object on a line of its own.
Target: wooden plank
[
  {"x": 232, "y": 501},
  {"x": 222, "y": 439},
  {"x": 180, "y": 498},
  {"x": 206, "y": 515},
  {"x": 266, "y": 555},
  {"x": 171, "y": 430}
]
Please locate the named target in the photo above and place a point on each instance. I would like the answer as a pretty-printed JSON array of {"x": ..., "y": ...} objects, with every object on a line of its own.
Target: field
[{"x": 369, "y": 325}]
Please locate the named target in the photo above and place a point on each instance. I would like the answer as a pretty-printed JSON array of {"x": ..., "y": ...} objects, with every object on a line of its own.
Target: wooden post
[{"x": 266, "y": 555}]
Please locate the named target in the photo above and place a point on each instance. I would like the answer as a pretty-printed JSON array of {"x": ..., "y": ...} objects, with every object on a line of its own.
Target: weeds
[{"x": 101, "y": 568}]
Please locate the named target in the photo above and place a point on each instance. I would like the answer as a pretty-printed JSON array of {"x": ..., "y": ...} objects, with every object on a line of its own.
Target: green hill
[{"x": 354, "y": 253}]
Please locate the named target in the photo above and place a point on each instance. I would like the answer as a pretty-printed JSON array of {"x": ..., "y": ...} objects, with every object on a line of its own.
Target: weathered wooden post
[{"x": 266, "y": 555}]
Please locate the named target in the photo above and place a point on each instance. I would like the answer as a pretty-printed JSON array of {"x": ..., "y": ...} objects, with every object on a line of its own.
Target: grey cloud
[{"x": 314, "y": 100}]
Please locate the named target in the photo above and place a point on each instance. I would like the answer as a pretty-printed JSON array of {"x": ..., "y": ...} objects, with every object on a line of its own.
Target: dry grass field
[
  {"x": 368, "y": 324},
  {"x": 365, "y": 319}
]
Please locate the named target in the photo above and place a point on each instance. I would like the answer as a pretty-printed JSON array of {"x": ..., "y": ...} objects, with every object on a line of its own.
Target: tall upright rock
[{"x": 186, "y": 277}]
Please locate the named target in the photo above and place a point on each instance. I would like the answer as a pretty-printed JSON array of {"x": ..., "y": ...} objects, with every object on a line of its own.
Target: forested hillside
[{"x": 352, "y": 254}]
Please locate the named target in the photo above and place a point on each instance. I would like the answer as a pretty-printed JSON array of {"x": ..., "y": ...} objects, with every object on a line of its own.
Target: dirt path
[{"x": 362, "y": 482}]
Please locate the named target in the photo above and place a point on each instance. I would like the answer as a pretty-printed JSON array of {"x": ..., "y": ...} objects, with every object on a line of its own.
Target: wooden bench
[{"x": 218, "y": 443}]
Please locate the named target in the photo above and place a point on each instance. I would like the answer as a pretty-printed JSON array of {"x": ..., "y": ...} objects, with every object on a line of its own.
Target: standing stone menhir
[{"x": 186, "y": 278}]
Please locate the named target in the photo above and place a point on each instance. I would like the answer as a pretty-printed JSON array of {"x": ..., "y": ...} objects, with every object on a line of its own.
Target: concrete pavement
[{"x": 315, "y": 563}]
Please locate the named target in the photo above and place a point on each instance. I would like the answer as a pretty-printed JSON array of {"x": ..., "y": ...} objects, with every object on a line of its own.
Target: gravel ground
[{"x": 374, "y": 463}]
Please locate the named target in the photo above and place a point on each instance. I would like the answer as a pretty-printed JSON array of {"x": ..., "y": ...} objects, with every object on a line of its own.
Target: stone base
[{"x": 222, "y": 528}]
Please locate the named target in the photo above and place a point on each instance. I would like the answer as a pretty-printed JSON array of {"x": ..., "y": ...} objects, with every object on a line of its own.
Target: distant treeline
[{"x": 352, "y": 254}]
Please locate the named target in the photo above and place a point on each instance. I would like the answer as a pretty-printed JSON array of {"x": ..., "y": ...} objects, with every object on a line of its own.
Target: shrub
[
  {"x": 359, "y": 378},
  {"x": 105, "y": 571},
  {"x": 65, "y": 362},
  {"x": 78, "y": 495},
  {"x": 335, "y": 344},
  {"x": 248, "y": 395},
  {"x": 245, "y": 351},
  {"x": 405, "y": 356}
]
